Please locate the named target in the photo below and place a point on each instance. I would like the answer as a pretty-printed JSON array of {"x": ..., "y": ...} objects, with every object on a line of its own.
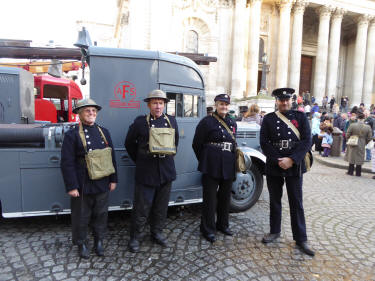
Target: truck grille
[{"x": 246, "y": 135}]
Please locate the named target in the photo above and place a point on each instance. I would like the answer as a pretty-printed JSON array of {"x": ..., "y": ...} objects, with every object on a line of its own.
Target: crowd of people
[{"x": 329, "y": 117}]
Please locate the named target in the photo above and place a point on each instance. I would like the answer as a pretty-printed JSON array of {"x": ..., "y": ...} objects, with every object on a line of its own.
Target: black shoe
[
  {"x": 270, "y": 237},
  {"x": 83, "y": 251},
  {"x": 350, "y": 174},
  {"x": 133, "y": 245},
  {"x": 226, "y": 231},
  {"x": 305, "y": 248},
  {"x": 99, "y": 250},
  {"x": 159, "y": 239},
  {"x": 210, "y": 237}
]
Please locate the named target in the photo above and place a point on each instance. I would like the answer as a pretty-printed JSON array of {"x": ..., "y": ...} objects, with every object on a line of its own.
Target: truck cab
[{"x": 55, "y": 98}]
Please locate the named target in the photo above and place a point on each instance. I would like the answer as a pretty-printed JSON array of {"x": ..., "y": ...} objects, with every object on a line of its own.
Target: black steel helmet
[{"x": 85, "y": 103}]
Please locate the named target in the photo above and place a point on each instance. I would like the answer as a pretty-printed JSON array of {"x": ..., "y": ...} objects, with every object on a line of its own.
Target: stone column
[
  {"x": 370, "y": 65},
  {"x": 333, "y": 53},
  {"x": 296, "y": 47},
  {"x": 253, "y": 52},
  {"x": 322, "y": 54},
  {"x": 283, "y": 44},
  {"x": 359, "y": 60},
  {"x": 238, "y": 49}
]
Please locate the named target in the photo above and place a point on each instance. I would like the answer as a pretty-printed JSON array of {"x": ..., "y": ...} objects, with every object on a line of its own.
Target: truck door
[{"x": 187, "y": 106}]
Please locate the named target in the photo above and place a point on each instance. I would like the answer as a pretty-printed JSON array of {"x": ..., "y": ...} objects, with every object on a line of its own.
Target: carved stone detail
[
  {"x": 364, "y": 19},
  {"x": 338, "y": 13},
  {"x": 325, "y": 11},
  {"x": 299, "y": 6}
]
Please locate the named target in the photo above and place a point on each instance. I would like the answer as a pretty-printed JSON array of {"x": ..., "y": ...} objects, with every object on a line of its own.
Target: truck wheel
[{"x": 246, "y": 190}]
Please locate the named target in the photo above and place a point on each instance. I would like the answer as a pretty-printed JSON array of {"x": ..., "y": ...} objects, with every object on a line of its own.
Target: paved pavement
[
  {"x": 340, "y": 214},
  {"x": 339, "y": 162}
]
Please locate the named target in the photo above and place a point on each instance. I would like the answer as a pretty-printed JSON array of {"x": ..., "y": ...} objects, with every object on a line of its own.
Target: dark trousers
[
  {"x": 317, "y": 142},
  {"x": 216, "y": 199},
  {"x": 327, "y": 151},
  {"x": 150, "y": 202},
  {"x": 294, "y": 189},
  {"x": 89, "y": 209},
  {"x": 358, "y": 170}
]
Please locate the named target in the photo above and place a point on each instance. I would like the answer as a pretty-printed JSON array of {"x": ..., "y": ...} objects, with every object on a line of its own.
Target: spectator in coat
[
  {"x": 327, "y": 140},
  {"x": 252, "y": 115},
  {"x": 355, "y": 154},
  {"x": 369, "y": 120},
  {"x": 325, "y": 102},
  {"x": 315, "y": 108},
  {"x": 331, "y": 102},
  {"x": 315, "y": 131}
]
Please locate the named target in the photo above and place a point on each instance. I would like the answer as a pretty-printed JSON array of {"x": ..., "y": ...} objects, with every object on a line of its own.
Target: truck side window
[
  {"x": 190, "y": 106},
  {"x": 182, "y": 105},
  {"x": 171, "y": 105}
]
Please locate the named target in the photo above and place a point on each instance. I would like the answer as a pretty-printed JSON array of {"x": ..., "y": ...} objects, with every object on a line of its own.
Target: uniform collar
[
  {"x": 226, "y": 115},
  {"x": 88, "y": 126},
  {"x": 153, "y": 118}
]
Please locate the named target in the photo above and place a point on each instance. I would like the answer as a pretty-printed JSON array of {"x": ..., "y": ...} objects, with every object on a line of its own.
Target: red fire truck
[{"x": 55, "y": 98}]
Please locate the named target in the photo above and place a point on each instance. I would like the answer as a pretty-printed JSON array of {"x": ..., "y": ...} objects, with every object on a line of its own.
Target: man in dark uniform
[
  {"x": 285, "y": 154},
  {"x": 214, "y": 148},
  {"x": 89, "y": 198},
  {"x": 154, "y": 173}
]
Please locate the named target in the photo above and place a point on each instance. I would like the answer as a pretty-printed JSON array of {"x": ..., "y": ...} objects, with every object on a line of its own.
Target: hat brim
[
  {"x": 283, "y": 97},
  {"x": 148, "y": 99},
  {"x": 98, "y": 107},
  {"x": 223, "y": 100}
]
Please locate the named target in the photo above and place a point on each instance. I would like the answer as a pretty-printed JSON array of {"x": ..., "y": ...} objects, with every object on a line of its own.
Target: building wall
[{"x": 165, "y": 25}]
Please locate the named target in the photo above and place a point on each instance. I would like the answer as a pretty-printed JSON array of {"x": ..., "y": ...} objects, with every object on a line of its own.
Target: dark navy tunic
[
  {"x": 151, "y": 169},
  {"x": 212, "y": 159},
  {"x": 73, "y": 165},
  {"x": 274, "y": 130}
]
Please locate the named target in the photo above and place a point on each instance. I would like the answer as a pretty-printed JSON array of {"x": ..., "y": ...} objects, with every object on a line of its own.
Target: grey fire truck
[{"x": 31, "y": 183}]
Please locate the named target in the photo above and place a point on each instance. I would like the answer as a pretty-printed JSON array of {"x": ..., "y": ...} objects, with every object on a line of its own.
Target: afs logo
[{"x": 125, "y": 96}]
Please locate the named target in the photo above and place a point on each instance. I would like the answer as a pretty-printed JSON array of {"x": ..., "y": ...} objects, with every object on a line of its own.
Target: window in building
[
  {"x": 261, "y": 50},
  {"x": 191, "y": 45}
]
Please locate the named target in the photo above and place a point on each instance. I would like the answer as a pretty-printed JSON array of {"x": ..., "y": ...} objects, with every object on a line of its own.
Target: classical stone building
[{"x": 324, "y": 46}]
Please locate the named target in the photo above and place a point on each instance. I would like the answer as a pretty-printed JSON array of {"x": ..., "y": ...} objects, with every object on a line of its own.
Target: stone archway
[{"x": 202, "y": 31}]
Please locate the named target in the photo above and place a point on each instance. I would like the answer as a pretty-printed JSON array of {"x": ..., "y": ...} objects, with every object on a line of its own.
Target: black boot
[
  {"x": 305, "y": 248},
  {"x": 99, "y": 250},
  {"x": 270, "y": 237},
  {"x": 350, "y": 170},
  {"x": 358, "y": 170},
  {"x": 133, "y": 245},
  {"x": 83, "y": 251},
  {"x": 159, "y": 239}
]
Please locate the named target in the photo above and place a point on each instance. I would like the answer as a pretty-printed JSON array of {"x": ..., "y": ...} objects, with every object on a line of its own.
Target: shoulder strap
[
  {"x": 290, "y": 124},
  {"x": 103, "y": 136},
  {"x": 224, "y": 125},
  {"x": 166, "y": 117},
  {"x": 82, "y": 135}
]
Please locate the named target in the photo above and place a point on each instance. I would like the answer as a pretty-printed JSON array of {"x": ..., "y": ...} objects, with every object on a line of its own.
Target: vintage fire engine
[{"x": 31, "y": 183}]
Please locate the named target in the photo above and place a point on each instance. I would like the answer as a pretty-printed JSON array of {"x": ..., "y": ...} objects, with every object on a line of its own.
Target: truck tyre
[{"x": 246, "y": 190}]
